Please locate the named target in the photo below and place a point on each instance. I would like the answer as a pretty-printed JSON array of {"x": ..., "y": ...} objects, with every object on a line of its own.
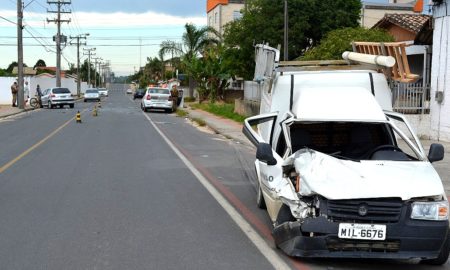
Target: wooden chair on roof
[{"x": 400, "y": 71}]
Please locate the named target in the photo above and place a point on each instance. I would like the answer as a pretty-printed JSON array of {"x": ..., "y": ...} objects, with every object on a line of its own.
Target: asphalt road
[{"x": 134, "y": 190}]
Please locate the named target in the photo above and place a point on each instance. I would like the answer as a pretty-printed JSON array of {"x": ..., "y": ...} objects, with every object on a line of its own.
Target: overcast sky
[{"x": 125, "y": 32}]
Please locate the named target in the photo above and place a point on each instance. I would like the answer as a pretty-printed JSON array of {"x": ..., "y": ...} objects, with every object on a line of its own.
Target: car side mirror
[
  {"x": 264, "y": 154},
  {"x": 436, "y": 152}
]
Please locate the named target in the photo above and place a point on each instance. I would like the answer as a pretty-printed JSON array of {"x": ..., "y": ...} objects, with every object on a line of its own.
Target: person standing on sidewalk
[
  {"x": 14, "y": 90},
  {"x": 174, "y": 94},
  {"x": 26, "y": 92},
  {"x": 39, "y": 94}
]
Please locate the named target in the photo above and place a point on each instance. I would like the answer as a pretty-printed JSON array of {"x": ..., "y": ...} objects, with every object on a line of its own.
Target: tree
[
  {"x": 40, "y": 63},
  {"x": 211, "y": 72},
  {"x": 263, "y": 22},
  {"x": 194, "y": 42},
  {"x": 12, "y": 66},
  {"x": 338, "y": 41}
]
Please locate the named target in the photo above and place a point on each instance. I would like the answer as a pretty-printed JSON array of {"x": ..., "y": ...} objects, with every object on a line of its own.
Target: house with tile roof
[
  {"x": 417, "y": 32},
  {"x": 372, "y": 12}
]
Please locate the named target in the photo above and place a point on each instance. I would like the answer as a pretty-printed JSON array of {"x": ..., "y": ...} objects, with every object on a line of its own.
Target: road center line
[
  {"x": 26, "y": 152},
  {"x": 271, "y": 256}
]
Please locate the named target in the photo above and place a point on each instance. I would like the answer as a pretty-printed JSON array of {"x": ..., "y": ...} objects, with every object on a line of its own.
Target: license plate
[{"x": 362, "y": 231}]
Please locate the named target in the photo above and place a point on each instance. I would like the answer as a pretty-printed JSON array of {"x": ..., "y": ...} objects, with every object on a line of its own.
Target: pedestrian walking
[
  {"x": 14, "y": 90},
  {"x": 174, "y": 94}
]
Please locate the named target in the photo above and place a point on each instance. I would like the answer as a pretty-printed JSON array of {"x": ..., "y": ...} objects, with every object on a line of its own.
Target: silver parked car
[
  {"x": 157, "y": 98},
  {"x": 57, "y": 96},
  {"x": 103, "y": 92},
  {"x": 91, "y": 94}
]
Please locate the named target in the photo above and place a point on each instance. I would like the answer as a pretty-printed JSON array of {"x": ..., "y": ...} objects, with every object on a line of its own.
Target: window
[
  {"x": 237, "y": 15},
  {"x": 216, "y": 18},
  {"x": 210, "y": 21}
]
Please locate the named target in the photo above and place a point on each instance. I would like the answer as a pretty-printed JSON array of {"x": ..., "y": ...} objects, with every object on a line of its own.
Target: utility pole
[
  {"x": 89, "y": 54},
  {"x": 286, "y": 31},
  {"x": 58, "y": 37},
  {"x": 20, "y": 94},
  {"x": 97, "y": 60},
  {"x": 81, "y": 36}
]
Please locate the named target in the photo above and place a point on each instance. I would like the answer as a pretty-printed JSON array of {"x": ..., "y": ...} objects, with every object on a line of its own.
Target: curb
[
  {"x": 16, "y": 113},
  {"x": 215, "y": 130}
]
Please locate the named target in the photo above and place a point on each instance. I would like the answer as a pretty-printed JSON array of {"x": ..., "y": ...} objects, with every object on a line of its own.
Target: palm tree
[{"x": 194, "y": 42}]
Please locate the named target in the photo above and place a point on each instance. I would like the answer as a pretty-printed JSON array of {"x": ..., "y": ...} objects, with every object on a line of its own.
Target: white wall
[
  {"x": 44, "y": 83},
  {"x": 5, "y": 90},
  {"x": 440, "y": 79}
]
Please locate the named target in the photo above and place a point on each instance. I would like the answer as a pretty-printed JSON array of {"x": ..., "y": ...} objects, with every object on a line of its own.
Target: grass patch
[
  {"x": 181, "y": 113},
  {"x": 199, "y": 121},
  {"x": 189, "y": 99},
  {"x": 224, "y": 110}
]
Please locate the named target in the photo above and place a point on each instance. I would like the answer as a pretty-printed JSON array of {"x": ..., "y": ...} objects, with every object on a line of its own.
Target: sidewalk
[
  {"x": 8, "y": 110},
  {"x": 220, "y": 125}
]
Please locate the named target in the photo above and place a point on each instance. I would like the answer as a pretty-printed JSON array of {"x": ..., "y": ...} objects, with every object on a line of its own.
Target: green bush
[
  {"x": 340, "y": 40},
  {"x": 224, "y": 110}
]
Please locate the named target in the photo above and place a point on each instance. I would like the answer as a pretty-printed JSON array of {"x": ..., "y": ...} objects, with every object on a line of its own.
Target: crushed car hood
[{"x": 337, "y": 179}]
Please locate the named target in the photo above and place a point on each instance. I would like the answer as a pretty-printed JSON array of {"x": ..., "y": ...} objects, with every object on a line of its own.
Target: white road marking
[{"x": 246, "y": 228}]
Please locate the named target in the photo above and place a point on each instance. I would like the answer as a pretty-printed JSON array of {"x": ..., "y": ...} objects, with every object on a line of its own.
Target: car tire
[
  {"x": 443, "y": 255},
  {"x": 284, "y": 215},
  {"x": 61, "y": 106},
  {"x": 259, "y": 197},
  {"x": 85, "y": 100},
  {"x": 72, "y": 106}
]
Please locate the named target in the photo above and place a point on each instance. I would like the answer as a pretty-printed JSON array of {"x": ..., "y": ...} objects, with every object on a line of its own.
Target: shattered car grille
[
  {"x": 365, "y": 210},
  {"x": 335, "y": 244}
]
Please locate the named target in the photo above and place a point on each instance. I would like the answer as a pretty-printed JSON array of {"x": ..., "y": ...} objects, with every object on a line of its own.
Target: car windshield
[
  {"x": 61, "y": 91},
  {"x": 159, "y": 91},
  {"x": 140, "y": 91},
  {"x": 91, "y": 91}
]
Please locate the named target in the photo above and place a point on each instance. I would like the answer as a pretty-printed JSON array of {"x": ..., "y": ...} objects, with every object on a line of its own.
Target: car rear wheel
[{"x": 71, "y": 106}]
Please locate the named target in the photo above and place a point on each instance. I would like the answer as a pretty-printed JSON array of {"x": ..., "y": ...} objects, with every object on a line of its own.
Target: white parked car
[
  {"x": 103, "y": 92},
  {"x": 57, "y": 96},
  {"x": 129, "y": 91},
  {"x": 157, "y": 98},
  {"x": 91, "y": 94}
]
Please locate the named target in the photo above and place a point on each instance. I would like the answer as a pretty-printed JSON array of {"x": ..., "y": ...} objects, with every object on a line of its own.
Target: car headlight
[{"x": 430, "y": 210}]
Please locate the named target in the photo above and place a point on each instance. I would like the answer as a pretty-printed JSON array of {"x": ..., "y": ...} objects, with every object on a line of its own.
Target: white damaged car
[{"x": 342, "y": 177}]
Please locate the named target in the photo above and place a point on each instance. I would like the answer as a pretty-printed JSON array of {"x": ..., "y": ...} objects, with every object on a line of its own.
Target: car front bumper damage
[{"x": 318, "y": 237}]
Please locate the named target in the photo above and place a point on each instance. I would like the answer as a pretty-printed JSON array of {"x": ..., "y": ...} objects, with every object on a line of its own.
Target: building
[
  {"x": 417, "y": 32},
  {"x": 372, "y": 12},
  {"x": 221, "y": 12},
  {"x": 440, "y": 72}
]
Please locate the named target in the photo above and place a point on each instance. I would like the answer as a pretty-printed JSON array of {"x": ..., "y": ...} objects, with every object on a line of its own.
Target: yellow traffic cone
[
  {"x": 78, "y": 117},
  {"x": 94, "y": 111}
]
